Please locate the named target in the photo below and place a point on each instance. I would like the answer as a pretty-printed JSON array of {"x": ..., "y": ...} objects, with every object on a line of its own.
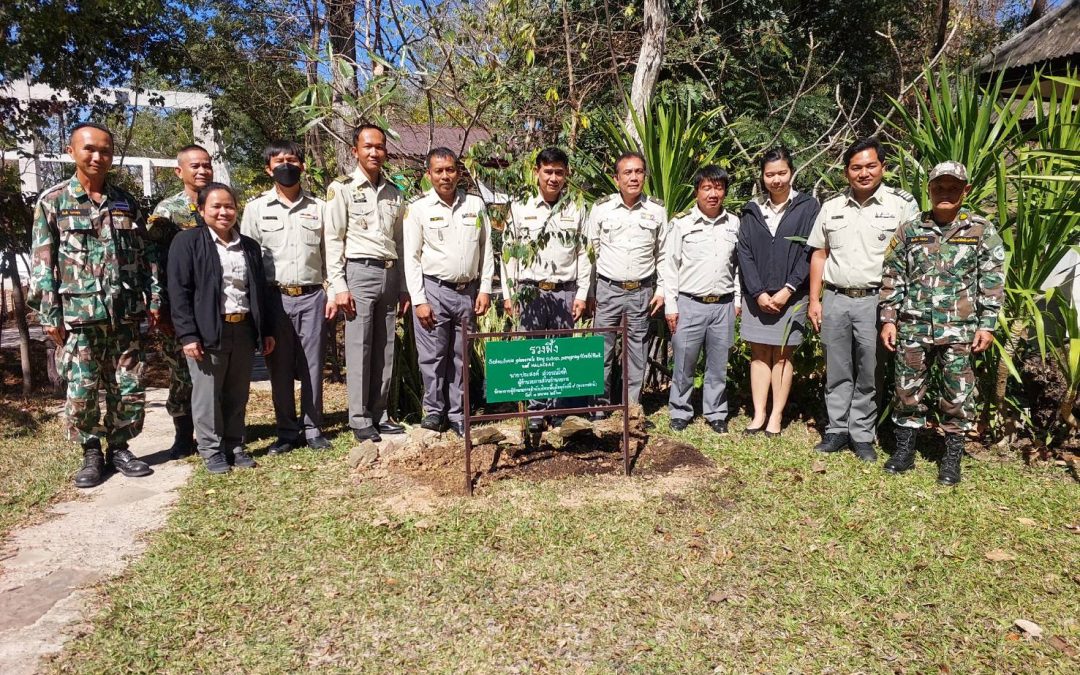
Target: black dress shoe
[
  {"x": 92, "y": 472},
  {"x": 679, "y": 424},
  {"x": 719, "y": 426},
  {"x": 366, "y": 434},
  {"x": 318, "y": 443},
  {"x": 750, "y": 431},
  {"x": 242, "y": 460},
  {"x": 391, "y": 428},
  {"x": 834, "y": 442},
  {"x": 127, "y": 463},
  {"x": 864, "y": 451},
  {"x": 458, "y": 428},
  {"x": 281, "y": 446},
  {"x": 432, "y": 422}
]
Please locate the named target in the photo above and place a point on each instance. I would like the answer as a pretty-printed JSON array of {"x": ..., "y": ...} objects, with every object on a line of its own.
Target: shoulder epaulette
[
  {"x": 416, "y": 198},
  {"x": 344, "y": 180},
  {"x": 603, "y": 200},
  {"x": 902, "y": 194},
  {"x": 52, "y": 190},
  {"x": 680, "y": 214},
  {"x": 656, "y": 199}
]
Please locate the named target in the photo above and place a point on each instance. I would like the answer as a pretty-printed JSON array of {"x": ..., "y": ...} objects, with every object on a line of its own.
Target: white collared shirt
[
  {"x": 447, "y": 241},
  {"x": 565, "y": 256},
  {"x": 773, "y": 213},
  {"x": 700, "y": 257},
  {"x": 234, "y": 281},
  {"x": 628, "y": 240}
]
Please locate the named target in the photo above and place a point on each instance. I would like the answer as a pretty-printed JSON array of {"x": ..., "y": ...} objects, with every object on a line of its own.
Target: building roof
[
  {"x": 1054, "y": 36},
  {"x": 413, "y": 139}
]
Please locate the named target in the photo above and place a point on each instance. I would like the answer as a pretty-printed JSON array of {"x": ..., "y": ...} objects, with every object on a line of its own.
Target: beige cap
[{"x": 954, "y": 169}]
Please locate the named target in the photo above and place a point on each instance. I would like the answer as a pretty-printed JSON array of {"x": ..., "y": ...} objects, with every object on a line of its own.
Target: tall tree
[{"x": 650, "y": 59}]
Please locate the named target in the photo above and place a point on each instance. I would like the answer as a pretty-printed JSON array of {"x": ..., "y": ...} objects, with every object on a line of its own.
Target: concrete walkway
[{"x": 46, "y": 593}]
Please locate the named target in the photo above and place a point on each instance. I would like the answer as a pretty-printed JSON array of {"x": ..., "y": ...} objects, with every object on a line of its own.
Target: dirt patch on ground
[{"x": 436, "y": 462}]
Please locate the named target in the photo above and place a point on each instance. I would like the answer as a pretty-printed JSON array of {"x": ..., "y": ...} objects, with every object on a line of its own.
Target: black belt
[
  {"x": 629, "y": 285},
  {"x": 294, "y": 291},
  {"x": 854, "y": 292},
  {"x": 373, "y": 262},
  {"x": 710, "y": 299},
  {"x": 454, "y": 285},
  {"x": 550, "y": 285}
]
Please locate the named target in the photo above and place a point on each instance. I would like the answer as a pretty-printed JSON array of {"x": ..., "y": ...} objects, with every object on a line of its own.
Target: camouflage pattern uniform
[
  {"x": 170, "y": 216},
  {"x": 940, "y": 285},
  {"x": 90, "y": 274}
]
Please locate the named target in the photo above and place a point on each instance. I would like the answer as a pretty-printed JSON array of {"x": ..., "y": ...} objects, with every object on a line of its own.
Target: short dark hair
[
  {"x": 442, "y": 153},
  {"x": 191, "y": 148},
  {"x": 282, "y": 147},
  {"x": 711, "y": 173},
  {"x": 94, "y": 125},
  {"x": 868, "y": 143},
  {"x": 777, "y": 154},
  {"x": 204, "y": 193},
  {"x": 365, "y": 126},
  {"x": 630, "y": 154},
  {"x": 552, "y": 155}
]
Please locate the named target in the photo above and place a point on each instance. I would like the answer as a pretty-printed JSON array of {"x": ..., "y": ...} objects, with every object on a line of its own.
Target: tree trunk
[
  {"x": 941, "y": 17},
  {"x": 341, "y": 34},
  {"x": 11, "y": 267},
  {"x": 1038, "y": 9},
  {"x": 650, "y": 58}
]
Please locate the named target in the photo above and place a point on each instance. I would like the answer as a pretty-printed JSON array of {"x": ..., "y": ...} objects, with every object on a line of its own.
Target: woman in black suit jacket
[
  {"x": 774, "y": 265},
  {"x": 218, "y": 300}
]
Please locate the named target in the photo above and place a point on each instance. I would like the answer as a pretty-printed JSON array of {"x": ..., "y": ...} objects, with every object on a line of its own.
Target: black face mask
[{"x": 287, "y": 174}]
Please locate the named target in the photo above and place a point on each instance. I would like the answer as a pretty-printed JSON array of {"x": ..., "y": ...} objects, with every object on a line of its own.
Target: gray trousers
[
  {"x": 712, "y": 327},
  {"x": 300, "y": 337},
  {"x": 220, "y": 384},
  {"x": 369, "y": 342},
  {"x": 849, "y": 335},
  {"x": 439, "y": 350},
  {"x": 551, "y": 310},
  {"x": 612, "y": 302}
]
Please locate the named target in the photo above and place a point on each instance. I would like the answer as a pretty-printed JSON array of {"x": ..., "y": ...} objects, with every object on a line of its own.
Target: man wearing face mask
[{"x": 287, "y": 223}]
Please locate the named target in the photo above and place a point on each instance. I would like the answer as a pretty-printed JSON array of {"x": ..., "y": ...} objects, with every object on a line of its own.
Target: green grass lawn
[
  {"x": 36, "y": 462},
  {"x": 778, "y": 561}
]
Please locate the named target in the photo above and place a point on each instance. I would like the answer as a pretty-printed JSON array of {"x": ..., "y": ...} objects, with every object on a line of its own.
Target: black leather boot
[
  {"x": 126, "y": 463},
  {"x": 949, "y": 469},
  {"x": 92, "y": 472},
  {"x": 903, "y": 458},
  {"x": 184, "y": 440}
]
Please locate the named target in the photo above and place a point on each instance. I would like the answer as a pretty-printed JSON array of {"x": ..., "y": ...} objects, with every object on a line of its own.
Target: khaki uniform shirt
[
  {"x": 450, "y": 242},
  {"x": 856, "y": 236},
  {"x": 362, "y": 221},
  {"x": 628, "y": 240},
  {"x": 565, "y": 256},
  {"x": 700, "y": 257},
  {"x": 291, "y": 237}
]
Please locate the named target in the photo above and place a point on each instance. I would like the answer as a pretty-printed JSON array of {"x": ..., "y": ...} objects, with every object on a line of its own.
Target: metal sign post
[{"x": 467, "y": 338}]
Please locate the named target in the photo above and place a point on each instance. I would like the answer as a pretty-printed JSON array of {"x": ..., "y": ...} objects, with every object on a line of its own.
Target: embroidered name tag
[
  {"x": 119, "y": 212},
  {"x": 470, "y": 215},
  {"x": 529, "y": 218},
  {"x": 435, "y": 219},
  {"x": 836, "y": 217},
  {"x": 74, "y": 213},
  {"x": 964, "y": 240},
  {"x": 884, "y": 215},
  {"x": 922, "y": 240}
]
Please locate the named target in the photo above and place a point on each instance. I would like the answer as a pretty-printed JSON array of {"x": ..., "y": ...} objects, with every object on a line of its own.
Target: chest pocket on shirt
[
  {"x": 837, "y": 231},
  {"x": 272, "y": 231},
  {"x": 436, "y": 230},
  {"x": 882, "y": 233},
  {"x": 471, "y": 231},
  {"x": 645, "y": 231},
  {"x": 698, "y": 245},
  {"x": 388, "y": 214},
  {"x": 310, "y": 230},
  {"x": 79, "y": 243}
]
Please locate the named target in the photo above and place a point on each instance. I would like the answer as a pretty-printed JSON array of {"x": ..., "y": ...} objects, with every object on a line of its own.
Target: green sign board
[{"x": 542, "y": 368}]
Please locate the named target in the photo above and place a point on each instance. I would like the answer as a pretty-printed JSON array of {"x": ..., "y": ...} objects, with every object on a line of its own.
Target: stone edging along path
[{"x": 46, "y": 594}]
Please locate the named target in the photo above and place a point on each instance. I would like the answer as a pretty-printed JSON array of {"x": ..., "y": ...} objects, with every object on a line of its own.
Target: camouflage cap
[{"x": 954, "y": 169}]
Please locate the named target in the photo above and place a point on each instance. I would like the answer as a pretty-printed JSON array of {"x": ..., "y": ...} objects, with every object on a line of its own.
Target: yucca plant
[
  {"x": 957, "y": 120},
  {"x": 676, "y": 141}
]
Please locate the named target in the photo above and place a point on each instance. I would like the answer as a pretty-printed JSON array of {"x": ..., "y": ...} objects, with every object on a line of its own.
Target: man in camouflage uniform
[
  {"x": 89, "y": 282},
  {"x": 942, "y": 288},
  {"x": 195, "y": 169}
]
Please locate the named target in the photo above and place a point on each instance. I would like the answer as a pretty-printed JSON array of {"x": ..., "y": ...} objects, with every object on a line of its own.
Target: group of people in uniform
[{"x": 866, "y": 268}]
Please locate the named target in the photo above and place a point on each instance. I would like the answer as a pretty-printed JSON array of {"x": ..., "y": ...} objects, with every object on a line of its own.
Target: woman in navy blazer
[
  {"x": 774, "y": 265},
  {"x": 219, "y": 310}
]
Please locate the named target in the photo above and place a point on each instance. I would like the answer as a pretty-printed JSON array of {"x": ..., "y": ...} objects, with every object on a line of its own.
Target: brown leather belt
[
  {"x": 549, "y": 285},
  {"x": 373, "y": 262},
  {"x": 294, "y": 291},
  {"x": 710, "y": 299},
  {"x": 238, "y": 317},
  {"x": 454, "y": 285},
  {"x": 853, "y": 292},
  {"x": 629, "y": 285}
]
